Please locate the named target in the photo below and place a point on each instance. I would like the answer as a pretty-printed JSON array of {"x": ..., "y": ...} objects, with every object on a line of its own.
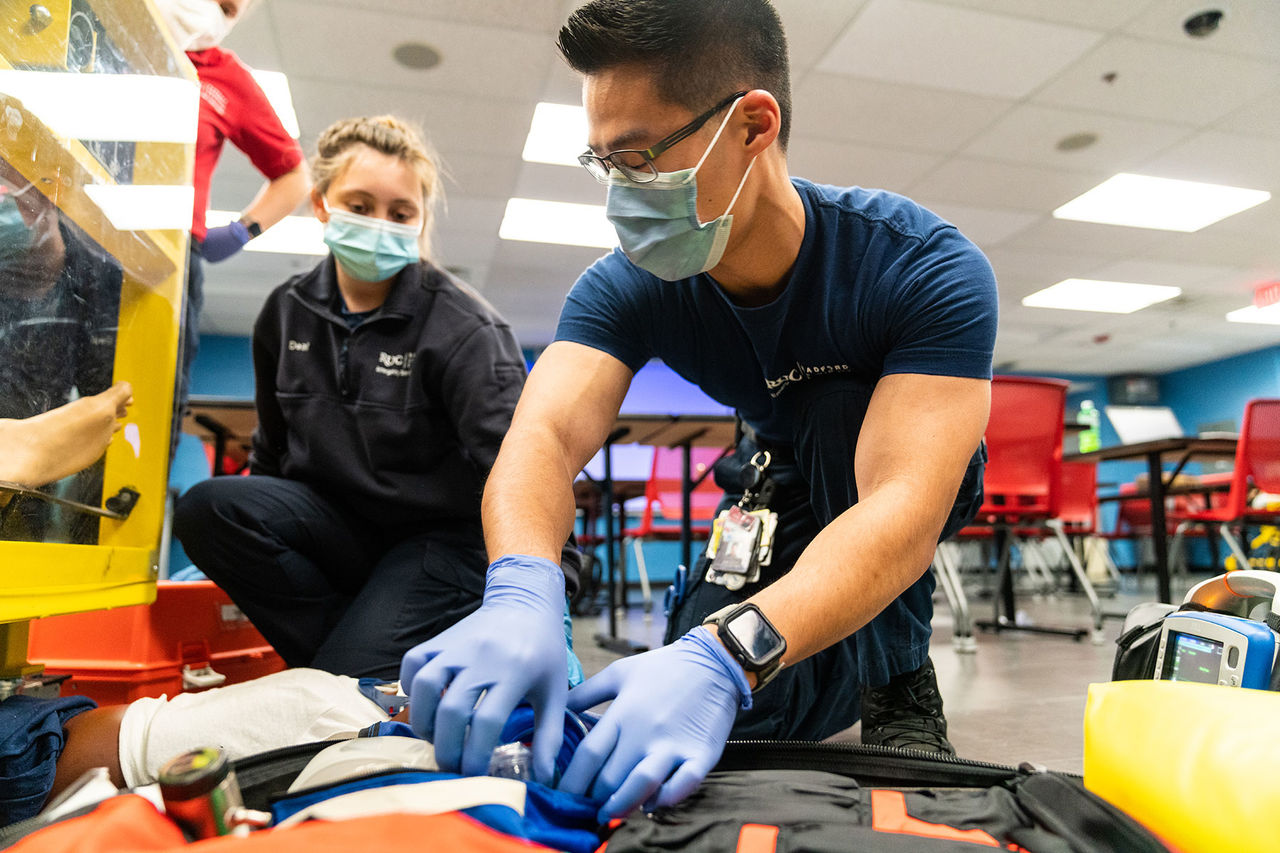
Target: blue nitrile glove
[
  {"x": 512, "y": 649},
  {"x": 224, "y": 241},
  {"x": 672, "y": 710}
]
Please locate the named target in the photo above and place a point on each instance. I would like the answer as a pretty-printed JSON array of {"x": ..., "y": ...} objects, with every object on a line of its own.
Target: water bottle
[{"x": 1091, "y": 435}]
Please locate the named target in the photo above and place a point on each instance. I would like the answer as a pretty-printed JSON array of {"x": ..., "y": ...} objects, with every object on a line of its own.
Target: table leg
[{"x": 1159, "y": 527}]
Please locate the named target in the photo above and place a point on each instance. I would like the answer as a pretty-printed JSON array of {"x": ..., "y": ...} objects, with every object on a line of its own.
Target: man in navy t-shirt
[{"x": 852, "y": 330}]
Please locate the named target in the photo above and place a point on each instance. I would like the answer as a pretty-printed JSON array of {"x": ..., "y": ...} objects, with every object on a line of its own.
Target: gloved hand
[
  {"x": 224, "y": 241},
  {"x": 512, "y": 649},
  {"x": 672, "y": 711}
]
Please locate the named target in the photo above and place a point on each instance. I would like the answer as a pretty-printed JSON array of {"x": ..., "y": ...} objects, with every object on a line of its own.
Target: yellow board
[
  {"x": 1194, "y": 763},
  {"x": 117, "y": 568}
]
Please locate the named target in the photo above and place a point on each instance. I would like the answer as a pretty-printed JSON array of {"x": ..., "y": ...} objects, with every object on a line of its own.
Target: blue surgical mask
[
  {"x": 657, "y": 222},
  {"x": 369, "y": 248}
]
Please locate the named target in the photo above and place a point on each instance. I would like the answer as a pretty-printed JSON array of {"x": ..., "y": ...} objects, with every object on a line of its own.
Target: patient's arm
[
  {"x": 57, "y": 443},
  {"x": 92, "y": 740}
]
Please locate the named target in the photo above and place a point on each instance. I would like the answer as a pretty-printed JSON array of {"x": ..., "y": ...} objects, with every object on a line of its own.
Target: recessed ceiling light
[
  {"x": 1269, "y": 315},
  {"x": 557, "y": 222},
  {"x": 293, "y": 235},
  {"x": 557, "y": 134},
  {"x": 1108, "y": 297},
  {"x": 1076, "y": 141},
  {"x": 1141, "y": 201},
  {"x": 416, "y": 55}
]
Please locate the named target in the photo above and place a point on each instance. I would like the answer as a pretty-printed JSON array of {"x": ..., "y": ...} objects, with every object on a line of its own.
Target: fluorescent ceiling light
[
  {"x": 1253, "y": 314},
  {"x": 275, "y": 85},
  {"x": 557, "y": 222},
  {"x": 557, "y": 135},
  {"x": 108, "y": 107},
  {"x": 1142, "y": 201},
  {"x": 1110, "y": 297},
  {"x": 293, "y": 235},
  {"x": 137, "y": 207}
]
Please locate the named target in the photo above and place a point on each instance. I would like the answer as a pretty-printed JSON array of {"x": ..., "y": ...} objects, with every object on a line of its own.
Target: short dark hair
[{"x": 697, "y": 50}]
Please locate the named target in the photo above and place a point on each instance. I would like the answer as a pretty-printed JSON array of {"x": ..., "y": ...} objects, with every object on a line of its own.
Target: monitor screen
[{"x": 1191, "y": 658}]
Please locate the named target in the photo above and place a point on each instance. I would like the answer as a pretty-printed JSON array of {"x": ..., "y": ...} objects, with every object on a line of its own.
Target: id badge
[{"x": 736, "y": 549}]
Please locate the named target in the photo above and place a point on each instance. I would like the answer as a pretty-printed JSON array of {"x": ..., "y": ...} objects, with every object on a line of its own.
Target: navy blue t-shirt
[{"x": 880, "y": 286}]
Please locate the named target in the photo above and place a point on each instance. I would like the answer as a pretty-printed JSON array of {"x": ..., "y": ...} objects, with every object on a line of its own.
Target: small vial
[{"x": 511, "y": 761}]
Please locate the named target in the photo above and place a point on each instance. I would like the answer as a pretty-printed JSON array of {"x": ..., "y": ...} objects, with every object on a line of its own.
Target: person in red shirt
[{"x": 232, "y": 107}]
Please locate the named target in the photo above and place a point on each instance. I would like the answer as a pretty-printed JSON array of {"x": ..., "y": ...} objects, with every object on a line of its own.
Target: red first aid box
[{"x": 192, "y": 638}]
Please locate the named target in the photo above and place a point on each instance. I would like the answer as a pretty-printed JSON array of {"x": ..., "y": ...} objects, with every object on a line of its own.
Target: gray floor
[{"x": 1019, "y": 697}]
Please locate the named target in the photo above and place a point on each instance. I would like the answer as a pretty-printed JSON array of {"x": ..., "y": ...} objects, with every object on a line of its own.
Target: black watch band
[
  {"x": 764, "y": 670},
  {"x": 254, "y": 229}
]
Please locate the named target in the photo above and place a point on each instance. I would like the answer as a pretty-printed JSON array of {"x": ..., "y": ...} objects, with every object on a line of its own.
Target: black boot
[{"x": 906, "y": 713}]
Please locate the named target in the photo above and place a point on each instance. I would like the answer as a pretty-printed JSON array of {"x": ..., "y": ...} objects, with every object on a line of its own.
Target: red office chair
[
  {"x": 1078, "y": 511},
  {"x": 664, "y": 504},
  {"x": 1023, "y": 483},
  {"x": 1257, "y": 467}
]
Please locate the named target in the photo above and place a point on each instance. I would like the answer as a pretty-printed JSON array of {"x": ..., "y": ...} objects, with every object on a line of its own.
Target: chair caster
[{"x": 1098, "y": 637}]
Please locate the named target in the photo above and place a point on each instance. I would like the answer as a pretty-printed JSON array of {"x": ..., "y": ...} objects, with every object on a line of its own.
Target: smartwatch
[
  {"x": 752, "y": 640},
  {"x": 254, "y": 229}
]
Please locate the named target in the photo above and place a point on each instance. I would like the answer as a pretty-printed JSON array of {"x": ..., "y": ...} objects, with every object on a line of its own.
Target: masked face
[
  {"x": 657, "y": 222},
  {"x": 195, "y": 24},
  {"x": 369, "y": 248}
]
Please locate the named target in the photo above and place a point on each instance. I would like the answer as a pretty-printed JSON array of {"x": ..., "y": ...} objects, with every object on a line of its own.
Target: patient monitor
[{"x": 1234, "y": 643}]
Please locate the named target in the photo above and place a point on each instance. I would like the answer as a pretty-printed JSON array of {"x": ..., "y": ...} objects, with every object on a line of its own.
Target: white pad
[{"x": 282, "y": 709}]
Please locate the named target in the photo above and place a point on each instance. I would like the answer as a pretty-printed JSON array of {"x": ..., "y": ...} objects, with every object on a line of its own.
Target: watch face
[{"x": 757, "y": 637}]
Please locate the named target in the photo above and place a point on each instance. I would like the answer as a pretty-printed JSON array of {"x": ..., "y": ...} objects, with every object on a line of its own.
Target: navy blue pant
[
  {"x": 814, "y": 482},
  {"x": 329, "y": 589}
]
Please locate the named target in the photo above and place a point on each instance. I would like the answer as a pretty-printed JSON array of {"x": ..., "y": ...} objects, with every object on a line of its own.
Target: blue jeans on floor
[{"x": 814, "y": 482}]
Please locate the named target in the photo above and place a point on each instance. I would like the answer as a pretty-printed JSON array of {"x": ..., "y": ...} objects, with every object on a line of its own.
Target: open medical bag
[{"x": 763, "y": 796}]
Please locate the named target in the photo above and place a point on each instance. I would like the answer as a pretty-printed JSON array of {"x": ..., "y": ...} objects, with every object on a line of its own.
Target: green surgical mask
[{"x": 369, "y": 248}]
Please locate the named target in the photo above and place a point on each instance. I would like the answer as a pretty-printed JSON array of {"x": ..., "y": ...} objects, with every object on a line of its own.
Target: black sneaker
[{"x": 906, "y": 713}]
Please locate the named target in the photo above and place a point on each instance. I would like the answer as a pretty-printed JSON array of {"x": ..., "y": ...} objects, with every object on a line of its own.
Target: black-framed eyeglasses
[{"x": 637, "y": 165}]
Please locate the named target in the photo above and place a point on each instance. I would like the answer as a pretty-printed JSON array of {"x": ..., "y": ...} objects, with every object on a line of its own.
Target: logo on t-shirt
[
  {"x": 214, "y": 97},
  {"x": 398, "y": 364},
  {"x": 801, "y": 372}
]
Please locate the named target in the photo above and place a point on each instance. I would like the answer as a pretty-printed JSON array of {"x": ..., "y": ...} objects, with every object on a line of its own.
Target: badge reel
[{"x": 742, "y": 536}]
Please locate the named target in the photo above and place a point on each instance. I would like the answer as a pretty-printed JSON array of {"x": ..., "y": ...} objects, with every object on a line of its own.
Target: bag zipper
[{"x": 868, "y": 763}]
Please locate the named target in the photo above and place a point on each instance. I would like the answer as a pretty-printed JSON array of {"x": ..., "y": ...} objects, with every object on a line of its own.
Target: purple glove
[
  {"x": 509, "y": 651},
  {"x": 224, "y": 241},
  {"x": 672, "y": 711}
]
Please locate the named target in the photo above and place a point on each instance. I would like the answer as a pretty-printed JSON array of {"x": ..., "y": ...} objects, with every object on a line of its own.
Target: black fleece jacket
[{"x": 398, "y": 420}]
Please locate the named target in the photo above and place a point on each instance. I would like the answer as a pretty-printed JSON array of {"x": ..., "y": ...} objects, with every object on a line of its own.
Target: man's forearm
[
  {"x": 851, "y": 571},
  {"x": 528, "y": 505}
]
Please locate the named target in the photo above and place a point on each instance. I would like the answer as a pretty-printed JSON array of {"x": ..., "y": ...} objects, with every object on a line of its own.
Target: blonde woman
[{"x": 384, "y": 386}]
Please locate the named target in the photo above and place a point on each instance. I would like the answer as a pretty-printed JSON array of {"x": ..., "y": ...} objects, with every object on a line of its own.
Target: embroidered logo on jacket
[
  {"x": 398, "y": 364},
  {"x": 299, "y": 346}
]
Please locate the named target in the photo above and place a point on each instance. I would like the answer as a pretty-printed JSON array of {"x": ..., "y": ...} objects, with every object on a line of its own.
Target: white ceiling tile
[
  {"x": 926, "y": 44},
  {"x": 831, "y": 106},
  {"x": 983, "y": 225},
  {"x": 1252, "y": 162},
  {"x": 558, "y": 183},
  {"x": 1249, "y": 27},
  {"x": 1089, "y": 14},
  {"x": 544, "y": 16},
  {"x": 1066, "y": 235},
  {"x": 468, "y": 52},
  {"x": 1030, "y": 134},
  {"x": 1184, "y": 275},
  {"x": 985, "y": 183},
  {"x": 851, "y": 164},
  {"x": 812, "y": 26},
  {"x": 1261, "y": 117},
  {"x": 452, "y": 122},
  {"x": 1164, "y": 82}
]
